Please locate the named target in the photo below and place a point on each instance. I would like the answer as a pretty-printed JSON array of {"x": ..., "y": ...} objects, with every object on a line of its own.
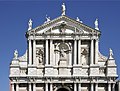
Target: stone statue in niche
[
  {"x": 39, "y": 56},
  {"x": 84, "y": 56},
  {"x": 63, "y": 51}
]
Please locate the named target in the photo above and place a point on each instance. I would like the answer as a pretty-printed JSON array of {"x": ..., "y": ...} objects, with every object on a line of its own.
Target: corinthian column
[
  {"x": 46, "y": 52},
  {"x": 75, "y": 51},
  {"x": 30, "y": 52},
  {"x": 96, "y": 51},
  {"x": 34, "y": 52},
  {"x": 79, "y": 52},
  {"x": 92, "y": 52},
  {"x": 51, "y": 52}
]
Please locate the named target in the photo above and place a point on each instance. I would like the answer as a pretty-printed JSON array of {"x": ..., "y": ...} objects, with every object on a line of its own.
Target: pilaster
[{"x": 70, "y": 58}]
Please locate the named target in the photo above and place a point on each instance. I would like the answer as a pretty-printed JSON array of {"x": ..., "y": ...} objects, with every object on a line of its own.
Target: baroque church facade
[{"x": 63, "y": 55}]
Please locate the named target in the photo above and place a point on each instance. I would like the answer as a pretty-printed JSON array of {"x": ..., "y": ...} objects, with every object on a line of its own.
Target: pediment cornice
[{"x": 66, "y": 19}]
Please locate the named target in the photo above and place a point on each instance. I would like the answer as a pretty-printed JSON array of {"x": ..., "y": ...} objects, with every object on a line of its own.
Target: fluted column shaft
[
  {"x": 75, "y": 51},
  {"x": 51, "y": 52},
  {"x": 79, "y": 51},
  {"x": 96, "y": 51},
  {"x": 30, "y": 52},
  {"x": 46, "y": 52},
  {"x": 92, "y": 52},
  {"x": 34, "y": 52}
]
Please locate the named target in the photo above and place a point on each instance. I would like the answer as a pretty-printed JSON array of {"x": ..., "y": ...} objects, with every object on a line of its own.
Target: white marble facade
[{"x": 63, "y": 54}]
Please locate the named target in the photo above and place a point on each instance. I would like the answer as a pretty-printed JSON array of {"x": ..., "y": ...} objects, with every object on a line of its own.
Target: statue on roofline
[
  {"x": 30, "y": 25},
  {"x": 63, "y": 9},
  {"x": 15, "y": 54},
  {"x": 96, "y": 24},
  {"x": 77, "y": 19},
  {"x": 110, "y": 54},
  {"x": 47, "y": 19}
]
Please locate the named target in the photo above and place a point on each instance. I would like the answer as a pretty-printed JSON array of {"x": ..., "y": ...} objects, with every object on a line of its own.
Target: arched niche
[{"x": 63, "y": 50}]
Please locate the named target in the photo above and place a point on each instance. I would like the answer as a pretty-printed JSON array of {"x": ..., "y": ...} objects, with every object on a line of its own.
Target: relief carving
[
  {"x": 40, "y": 56},
  {"x": 84, "y": 56},
  {"x": 102, "y": 71}
]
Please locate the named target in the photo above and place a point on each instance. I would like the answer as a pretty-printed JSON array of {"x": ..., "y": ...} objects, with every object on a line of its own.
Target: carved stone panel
[
  {"x": 40, "y": 56},
  {"x": 77, "y": 71},
  {"x": 32, "y": 71},
  {"x": 14, "y": 71}
]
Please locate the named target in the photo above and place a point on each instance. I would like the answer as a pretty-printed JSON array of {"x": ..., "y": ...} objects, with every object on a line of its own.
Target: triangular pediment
[{"x": 64, "y": 24}]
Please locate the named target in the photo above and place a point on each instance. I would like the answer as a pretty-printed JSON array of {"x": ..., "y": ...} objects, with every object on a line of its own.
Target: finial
[
  {"x": 63, "y": 9},
  {"x": 47, "y": 19},
  {"x": 77, "y": 19},
  {"x": 15, "y": 54},
  {"x": 96, "y": 24},
  {"x": 110, "y": 54},
  {"x": 30, "y": 24}
]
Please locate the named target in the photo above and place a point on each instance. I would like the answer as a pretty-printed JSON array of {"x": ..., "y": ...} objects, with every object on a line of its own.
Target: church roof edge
[{"x": 58, "y": 18}]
